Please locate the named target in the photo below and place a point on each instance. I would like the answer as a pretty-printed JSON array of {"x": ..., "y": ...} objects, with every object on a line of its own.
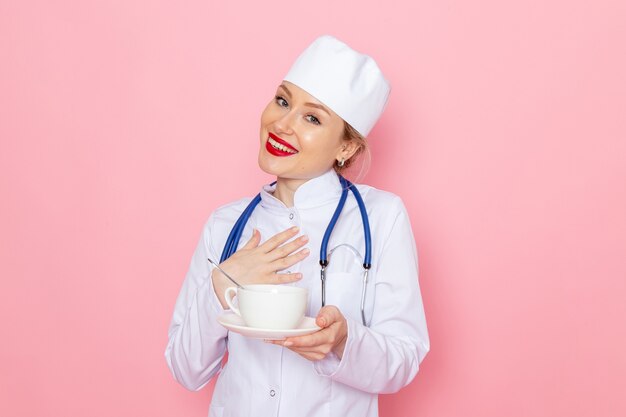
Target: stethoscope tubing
[
  {"x": 232, "y": 242},
  {"x": 332, "y": 223},
  {"x": 367, "y": 261}
]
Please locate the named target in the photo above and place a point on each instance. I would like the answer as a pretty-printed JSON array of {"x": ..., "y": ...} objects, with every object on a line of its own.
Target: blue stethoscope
[{"x": 232, "y": 242}]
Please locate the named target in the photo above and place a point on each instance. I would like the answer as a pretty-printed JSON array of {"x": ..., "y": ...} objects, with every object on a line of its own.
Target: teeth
[{"x": 279, "y": 146}]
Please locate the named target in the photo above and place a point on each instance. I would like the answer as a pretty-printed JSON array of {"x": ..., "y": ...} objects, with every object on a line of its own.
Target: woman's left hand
[{"x": 315, "y": 346}]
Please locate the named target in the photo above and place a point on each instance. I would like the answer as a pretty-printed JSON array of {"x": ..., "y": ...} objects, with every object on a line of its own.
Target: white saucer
[{"x": 234, "y": 323}]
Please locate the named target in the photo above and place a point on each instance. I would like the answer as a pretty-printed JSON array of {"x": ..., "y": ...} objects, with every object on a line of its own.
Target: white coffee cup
[{"x": 275, "y": 307}]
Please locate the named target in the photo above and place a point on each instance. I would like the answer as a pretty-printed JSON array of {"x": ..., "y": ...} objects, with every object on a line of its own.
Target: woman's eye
[
  {"x": 281, "y": 101},
  {"x": 313, "y": 119}
]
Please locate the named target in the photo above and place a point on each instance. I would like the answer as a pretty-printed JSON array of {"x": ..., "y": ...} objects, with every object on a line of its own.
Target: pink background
[{"x": 123, "y": 124}]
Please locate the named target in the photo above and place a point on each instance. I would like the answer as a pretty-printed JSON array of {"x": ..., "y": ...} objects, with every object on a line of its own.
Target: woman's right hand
[{"x": 258, "y": 264}]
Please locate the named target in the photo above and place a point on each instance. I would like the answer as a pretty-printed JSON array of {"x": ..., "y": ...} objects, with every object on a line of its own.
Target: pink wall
[{"x": 505, "y": 135}]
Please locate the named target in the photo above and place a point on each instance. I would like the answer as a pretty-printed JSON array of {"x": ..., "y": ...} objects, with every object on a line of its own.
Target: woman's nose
[{"x": 284, "y": 124}]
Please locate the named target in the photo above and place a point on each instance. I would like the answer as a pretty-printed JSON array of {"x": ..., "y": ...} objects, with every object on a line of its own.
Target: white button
[
  {"x": 291, "y": 216},
  {"x": 272, "y": 393}
]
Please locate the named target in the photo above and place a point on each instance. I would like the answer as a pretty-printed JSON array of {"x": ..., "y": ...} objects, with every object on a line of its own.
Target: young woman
[{"x": 373, "y": 336}]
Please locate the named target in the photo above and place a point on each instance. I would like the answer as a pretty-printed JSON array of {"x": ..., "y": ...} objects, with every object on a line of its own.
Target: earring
[{"x": 341, "y": 163}]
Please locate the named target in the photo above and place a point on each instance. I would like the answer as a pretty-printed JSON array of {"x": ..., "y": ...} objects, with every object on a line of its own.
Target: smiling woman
[
  {"x": 301, "y": 138},
  {"x": 313, "y": 112},
  {"x": 364, "y": 332}
]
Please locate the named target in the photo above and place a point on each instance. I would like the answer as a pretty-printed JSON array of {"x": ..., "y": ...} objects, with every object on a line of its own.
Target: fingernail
[
  {"x": 288, "y": 343},
  {"x": 305, "y": 251},
  {"x": 304, "y": 238},
  {"x": 295, "y": 229},
  {"x": 323, "y": 321}
]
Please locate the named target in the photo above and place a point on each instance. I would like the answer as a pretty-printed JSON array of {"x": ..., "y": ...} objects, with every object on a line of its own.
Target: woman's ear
[{"x": 348, "y": 148}]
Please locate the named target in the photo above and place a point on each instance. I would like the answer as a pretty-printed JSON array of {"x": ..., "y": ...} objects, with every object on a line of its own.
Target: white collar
[{"x": 313, "y": 193}]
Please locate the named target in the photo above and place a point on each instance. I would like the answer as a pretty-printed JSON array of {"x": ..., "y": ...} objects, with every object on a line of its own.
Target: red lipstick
[{"x": 279, "y": 152}]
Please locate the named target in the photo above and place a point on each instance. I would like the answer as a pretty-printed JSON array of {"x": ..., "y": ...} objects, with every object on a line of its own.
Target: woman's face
[{"x": 300, "y": 137}]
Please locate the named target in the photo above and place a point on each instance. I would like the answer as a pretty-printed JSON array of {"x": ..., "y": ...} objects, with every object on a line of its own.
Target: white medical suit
[{"x": 261, "y": 379}]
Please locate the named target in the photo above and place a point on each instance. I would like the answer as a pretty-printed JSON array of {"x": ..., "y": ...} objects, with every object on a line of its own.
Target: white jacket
[{"x": 261, "y": 379}]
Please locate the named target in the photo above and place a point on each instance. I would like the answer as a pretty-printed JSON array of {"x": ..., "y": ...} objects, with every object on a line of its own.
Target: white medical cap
[{"x": 348, "y": 82}]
